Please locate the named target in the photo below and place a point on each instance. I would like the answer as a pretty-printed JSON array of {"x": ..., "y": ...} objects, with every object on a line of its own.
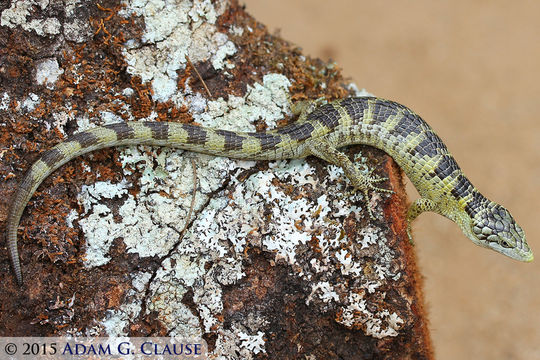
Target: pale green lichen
[
  {"x": 30, "y": 103},
  {"x": 4, "y": 101},
  {"x": 267, "y": 101},
  {"x": 17, "y": 13},
  {"x": 172, "y": 32},
  {"x": 48, "y": 72}
]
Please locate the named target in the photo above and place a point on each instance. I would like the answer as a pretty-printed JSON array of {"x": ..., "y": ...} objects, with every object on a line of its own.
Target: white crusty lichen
[
  {"x": 47, "y": 72},
  {"x": 151, "y": 223},
  {"x": 19, "y": 10},
  {"x": 253, "y": 343},
  {"x": 76, "y": 28},
  {"x": 30, "y": 103},
  {"x": 99, "y": 225},
  {"x": 4, "y": 101},
  {"x": 379, "y": 324},
  {"x": 173, "y": 31},
  {"x": 267, "y": 101},
  {"x": 116, "y": 321}
]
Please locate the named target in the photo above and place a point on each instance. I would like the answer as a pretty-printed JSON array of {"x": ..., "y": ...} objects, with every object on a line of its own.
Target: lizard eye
[{"x": 505, "y": 244}]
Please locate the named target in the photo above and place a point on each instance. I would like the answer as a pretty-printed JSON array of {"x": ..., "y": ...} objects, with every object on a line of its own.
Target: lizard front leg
[
  {"x": 416, "y": 208},
  {"x": 363, "y": 182}
]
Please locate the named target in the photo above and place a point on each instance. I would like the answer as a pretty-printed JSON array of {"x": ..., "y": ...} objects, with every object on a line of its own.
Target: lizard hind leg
[{"x": 362, "y": 182}]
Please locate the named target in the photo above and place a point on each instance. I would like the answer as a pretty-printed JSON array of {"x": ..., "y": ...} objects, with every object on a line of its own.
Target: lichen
[
  {"x": 18, "y": 12},
  {"x": 4, "y": 101},
  {"x": 29, "y": 104},
  {"x": 173, "y": 32},
  {"x": 47, "y": 72},
  {"x": 379, "y": 324},
  {"x": 253, "y": 343}
]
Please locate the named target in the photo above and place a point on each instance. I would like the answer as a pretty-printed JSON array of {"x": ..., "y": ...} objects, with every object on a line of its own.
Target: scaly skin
[{"x": 319, "y": 131}]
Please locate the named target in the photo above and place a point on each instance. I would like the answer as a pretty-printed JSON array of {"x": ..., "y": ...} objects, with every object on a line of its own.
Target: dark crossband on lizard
[{"x": 319, "y": 131}]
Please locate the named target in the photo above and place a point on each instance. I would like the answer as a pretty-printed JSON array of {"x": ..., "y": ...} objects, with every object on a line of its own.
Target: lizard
[{"x": 320, "y": 130}]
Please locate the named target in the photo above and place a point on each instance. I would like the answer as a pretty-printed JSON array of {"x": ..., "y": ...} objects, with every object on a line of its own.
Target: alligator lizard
[{"x": 319, "y": 131}]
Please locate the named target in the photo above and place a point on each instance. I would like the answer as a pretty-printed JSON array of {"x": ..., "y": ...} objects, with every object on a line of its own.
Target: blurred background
[{"x": 472, "y": 70}]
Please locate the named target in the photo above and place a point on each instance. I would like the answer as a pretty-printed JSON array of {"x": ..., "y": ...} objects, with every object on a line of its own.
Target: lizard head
[{"x": 493, "y": 227}]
